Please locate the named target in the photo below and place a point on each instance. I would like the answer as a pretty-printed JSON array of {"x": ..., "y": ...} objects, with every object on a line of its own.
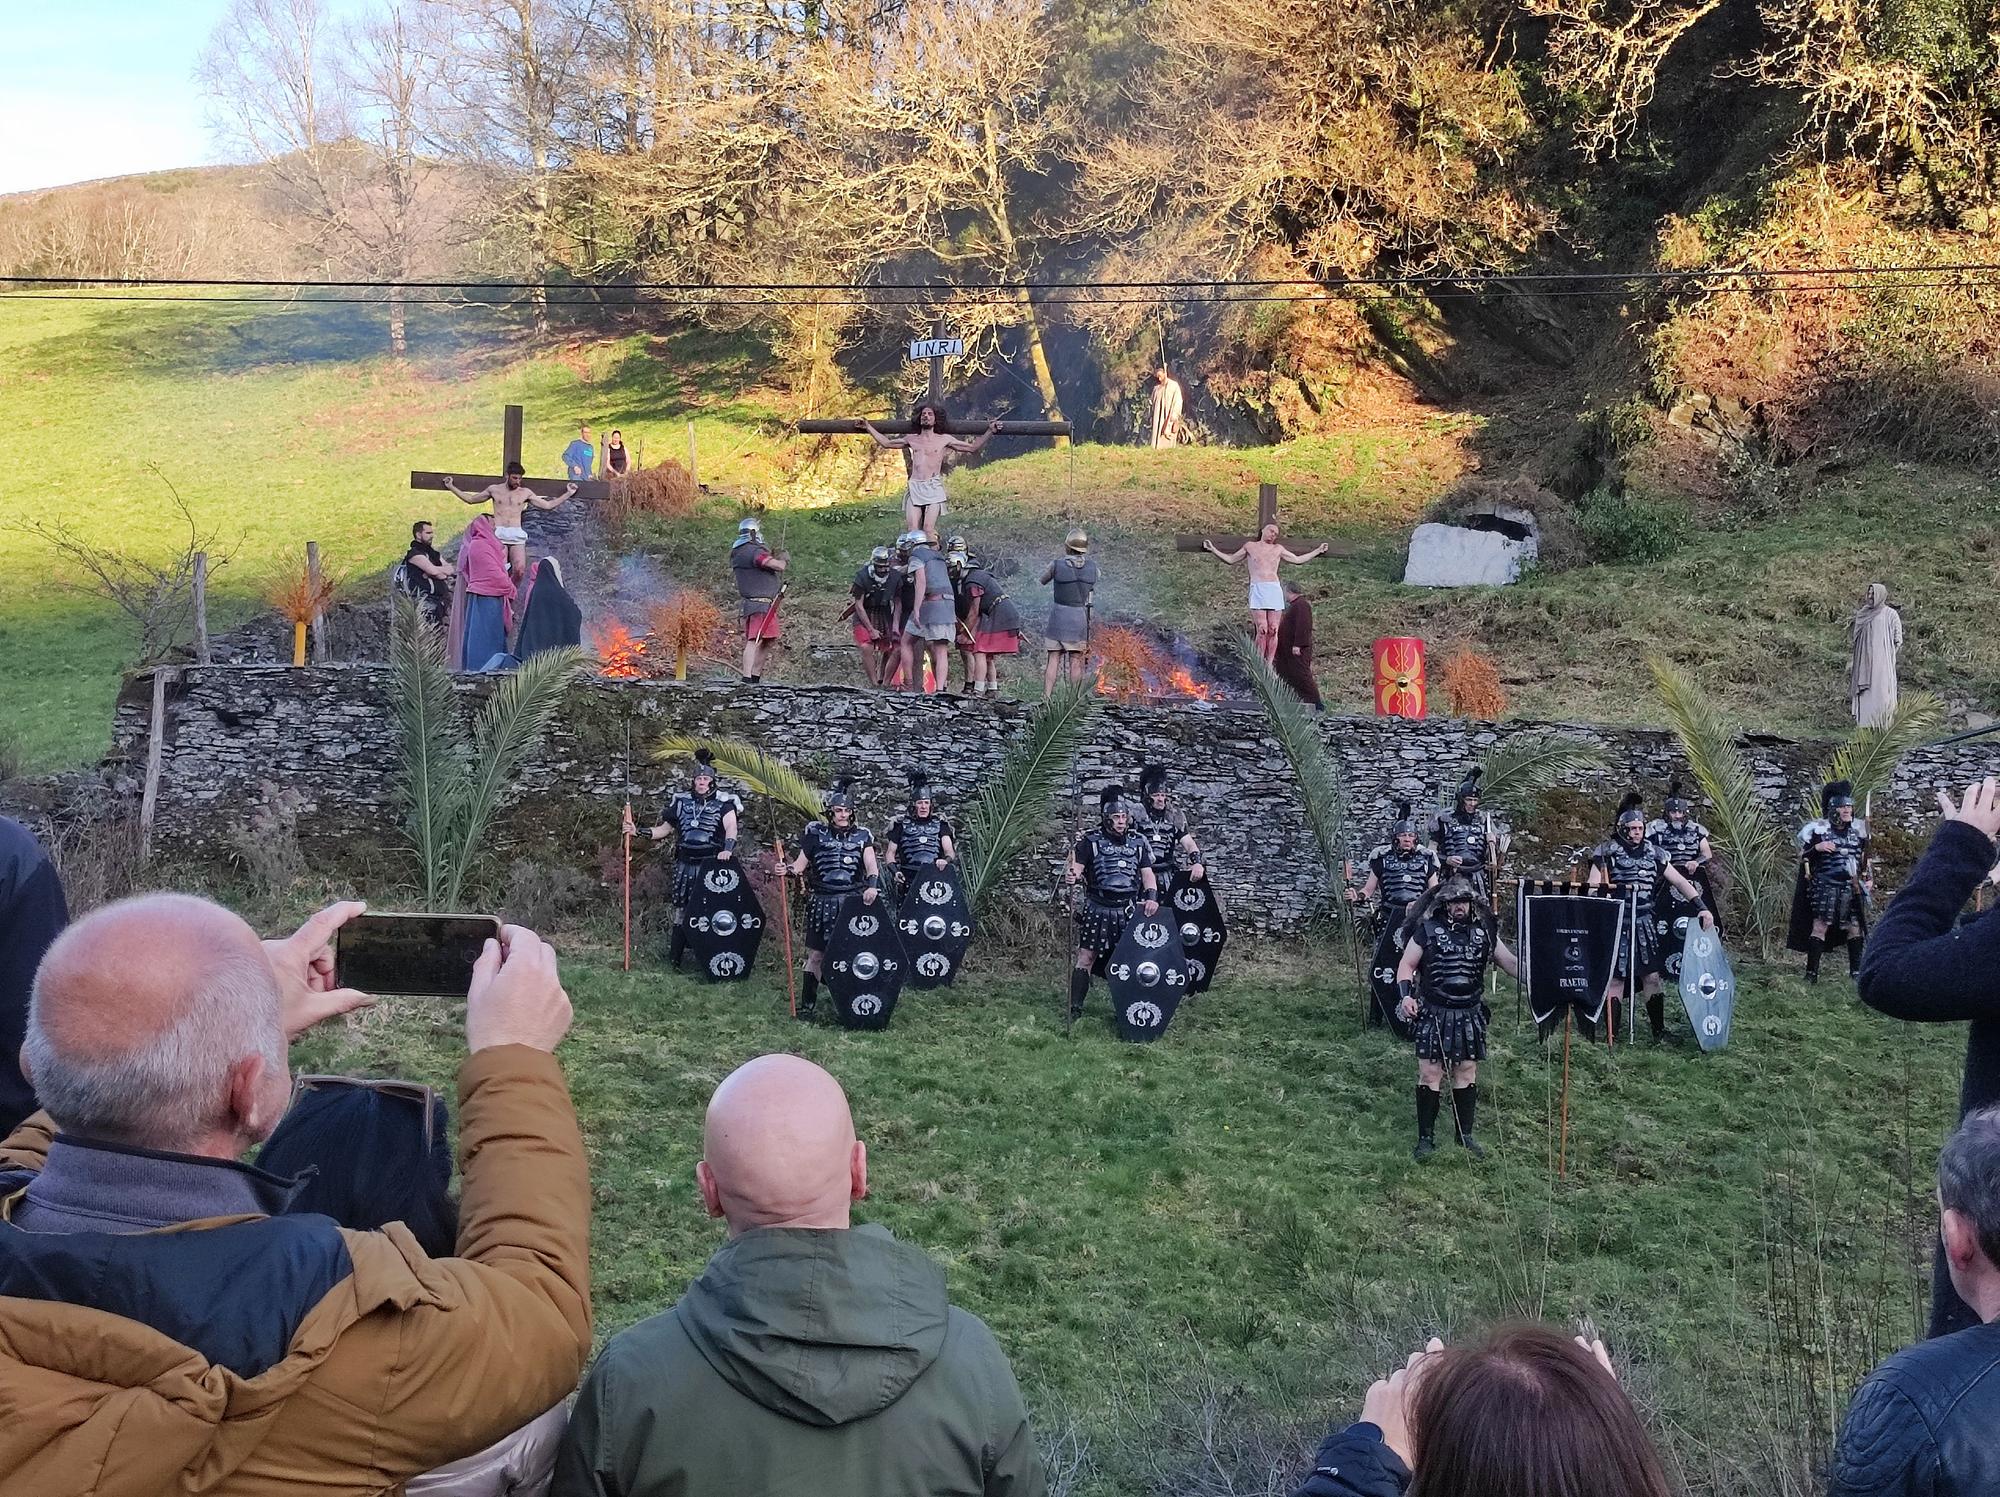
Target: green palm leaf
[
  {"x": 435, "y": 772},
  {"x": 758, "y": 772},
  {"x": 508, "y": 729},
  {"x": 1296, "y": 730},
  {"x": 1746, "y": 830},
  {"x": 1014, "y": 801},
  {"x": 1524, "y": 769},
  {"x": 1870, "y": 755}
]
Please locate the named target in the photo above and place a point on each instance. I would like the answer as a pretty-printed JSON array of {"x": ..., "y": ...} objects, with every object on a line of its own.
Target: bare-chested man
[
  {"x": 510, "y": 498},
  {"x": 928, "y": 448},
  {"x": 1267, "y": 596}
]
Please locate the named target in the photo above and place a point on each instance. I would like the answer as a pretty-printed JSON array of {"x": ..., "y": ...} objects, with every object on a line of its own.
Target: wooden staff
[
  {"x": 626, "y": 829},
  {"x": 1349, "y": 917},
  {"x": 785, "y": 925},
  {"x": 1562, "y": 1137}
]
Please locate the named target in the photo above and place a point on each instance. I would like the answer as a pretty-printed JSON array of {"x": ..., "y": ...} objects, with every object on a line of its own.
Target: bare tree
[{"x": 1609, "y": 53}]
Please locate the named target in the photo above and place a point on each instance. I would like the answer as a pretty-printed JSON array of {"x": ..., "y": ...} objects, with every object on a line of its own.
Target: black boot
[
  {"x": 1428, "y": 1102},
  {"x": 1079, "y": 989},
  {"x": 677, "y": 947},
  {"x": 1854, "y": 956},
  {"x": 809, "y": 997},
  {"x": 1656, "y": 1015},
  {"x": 1465, "y": 1104},
  {"x": 1815, "y": 949}
]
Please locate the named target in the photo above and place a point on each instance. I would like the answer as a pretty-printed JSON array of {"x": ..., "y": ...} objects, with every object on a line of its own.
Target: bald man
[
  {"x": 163, "y": 1325},
  {"x": 811, "y": 1354}
]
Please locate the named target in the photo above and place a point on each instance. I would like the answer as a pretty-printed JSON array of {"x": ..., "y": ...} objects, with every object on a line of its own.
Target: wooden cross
[
  {"x": 510, "y": 452},
  {"x": 934, "y": 351},
  {"x": 1267, "y": 514}
]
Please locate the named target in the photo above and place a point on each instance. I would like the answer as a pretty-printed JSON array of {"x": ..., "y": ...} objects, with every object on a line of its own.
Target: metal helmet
[
  {"x": 1632, "y": 814},
  {"x": 1113, "y": 803},
  {"x": 1677, "y": 802},
  {"x": 1835, "y": 794},
  {"x": 958, "y": 543},
  {"x": 1077, "y": 541},
  {"x": 749, "y": 528},
  {"x": 1405, "y": 824},
  {"x": 1153, "y": 781},
  {"x": 1468, "y": 788},
  {"x": 1458, "y": 889},
  {"x": 879, "y": 558},
  {"x": 958, "y": 561},
  {"x": 909, "y": 540},
  {"x": 703, "y": 768},
  {"x": 839, "y": 795},
  {"x": 920, "y": 790}
]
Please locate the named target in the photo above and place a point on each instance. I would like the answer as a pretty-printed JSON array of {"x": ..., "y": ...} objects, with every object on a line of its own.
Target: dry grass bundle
[
  {"x": 299, "y": 597},
  {"x": 688, "y": 623},
  {"x": 1128, "y": 664},
  {"x": 1471, "y": 684},
  {"x": 665, "y": 488}
]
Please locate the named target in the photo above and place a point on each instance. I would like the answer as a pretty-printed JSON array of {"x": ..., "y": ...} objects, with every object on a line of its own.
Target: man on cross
[
  {"x": 1267, "y": 596},
  {"x": 510, "y": 498},
  {"x": 928, "y": 447}
]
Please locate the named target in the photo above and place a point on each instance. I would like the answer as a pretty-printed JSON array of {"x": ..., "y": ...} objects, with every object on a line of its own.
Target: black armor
[
  {"x": 833, "y": 857},
  {"x": 1401, "y": 878},
  {"x": 1681, "y": 844},
  {"x": 997, "y": 613},
  {"x": 1833, "y": 877},
  {"x": 875, "y": 596},
  {"x": 1112, "y": 883},
  {"x": 919, "y": 840},
  {"x": 1163, "y": 831},
  {"x": 1643, "y": 870},
  {"x": 1462, "y": 835},
  {"x": 1451, "y": 1013},
  {"x": 697, "y": 824}
]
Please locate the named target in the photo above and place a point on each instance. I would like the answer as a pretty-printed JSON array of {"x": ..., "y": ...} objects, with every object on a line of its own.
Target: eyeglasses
[{"x": 409, "y": 1091}]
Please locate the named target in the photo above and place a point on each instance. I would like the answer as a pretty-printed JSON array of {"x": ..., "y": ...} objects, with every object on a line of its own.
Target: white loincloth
[
  {"x": 1267, "y": 597},
  {"x": 510, "y": 535},
  {"x": 926, "y": 493}
]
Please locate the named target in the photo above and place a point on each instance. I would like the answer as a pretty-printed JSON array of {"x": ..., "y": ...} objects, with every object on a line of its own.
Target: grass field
[
  {"x": 1227, "y": 1226},
  {"x": 285, "y": 425}
]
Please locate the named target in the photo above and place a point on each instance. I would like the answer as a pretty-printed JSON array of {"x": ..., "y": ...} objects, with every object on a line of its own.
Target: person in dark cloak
[
  {"x": 33, "y": 913},
  {"x": 1294, "y": 663},
  {"x": 550, "y": 619}
]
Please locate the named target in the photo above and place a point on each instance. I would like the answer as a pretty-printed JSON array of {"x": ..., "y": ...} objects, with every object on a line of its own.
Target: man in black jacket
[
  {"x": 1921, "y": 1426},
  {"x": 32, "y": 915},
  {"x": 1921, "y": 964}
]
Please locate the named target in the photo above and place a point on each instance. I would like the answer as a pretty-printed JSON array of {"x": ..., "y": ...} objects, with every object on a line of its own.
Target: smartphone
[{"x": 428, "y": 956}]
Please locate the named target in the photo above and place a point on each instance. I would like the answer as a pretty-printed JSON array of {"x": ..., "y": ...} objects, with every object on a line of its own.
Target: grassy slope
[{"x": 1238, "y": 1200}]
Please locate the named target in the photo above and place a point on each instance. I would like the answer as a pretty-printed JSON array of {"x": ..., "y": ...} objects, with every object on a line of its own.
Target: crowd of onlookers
[{"x": 339, "y": 1317}]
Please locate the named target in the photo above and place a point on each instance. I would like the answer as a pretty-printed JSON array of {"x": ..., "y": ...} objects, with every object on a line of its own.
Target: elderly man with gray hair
[
  {"x": 1922, "y": 1425},
  {"x": 165, "y": 1326}
]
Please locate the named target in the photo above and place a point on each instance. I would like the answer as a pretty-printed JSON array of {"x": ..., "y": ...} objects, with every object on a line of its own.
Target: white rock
[{"x": 1452, "y": 556}]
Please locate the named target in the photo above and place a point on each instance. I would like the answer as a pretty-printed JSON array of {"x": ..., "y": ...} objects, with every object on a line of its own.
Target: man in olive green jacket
[{"x": 810, "y": 1357}]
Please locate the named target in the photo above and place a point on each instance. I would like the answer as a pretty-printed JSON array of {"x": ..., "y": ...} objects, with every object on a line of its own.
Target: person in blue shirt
[{"x": 580, "y": 457}]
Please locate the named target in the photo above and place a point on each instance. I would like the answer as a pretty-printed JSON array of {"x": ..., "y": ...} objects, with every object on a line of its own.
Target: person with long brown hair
[{"x": 1528, "y": 1412}]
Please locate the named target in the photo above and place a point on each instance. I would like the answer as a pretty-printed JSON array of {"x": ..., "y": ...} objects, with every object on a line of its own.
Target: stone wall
[{"x": 328, "y": 734}]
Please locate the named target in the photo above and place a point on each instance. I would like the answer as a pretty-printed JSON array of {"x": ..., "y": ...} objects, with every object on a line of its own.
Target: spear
[
  {"x": 628, "y": 844},
  {"x": 785, "y": 926}
]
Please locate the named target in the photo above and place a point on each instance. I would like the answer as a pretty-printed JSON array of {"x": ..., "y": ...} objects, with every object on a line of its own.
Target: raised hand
[
  {"x": 1980, "y": 806},
  {"x": 303, "y": 964},
  {"x": 517, "y": 995},
  {"x": 1387, "y": 1405}
]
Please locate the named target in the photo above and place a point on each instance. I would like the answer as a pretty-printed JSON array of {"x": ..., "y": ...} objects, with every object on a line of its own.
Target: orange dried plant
[
  {"x": 687, "y": 624},
  {"x": 1128, "y": 664},
  {"x": 298, "y": 597},
  {"x": 1471, "y": 684}
]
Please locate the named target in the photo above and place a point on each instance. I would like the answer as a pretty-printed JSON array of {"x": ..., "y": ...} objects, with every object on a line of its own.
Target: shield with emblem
[
  {"x": 1671, "y": 917},
  {"x": 1204, "y": 933},
  {"x": 725, "y": 922},
  {"x": 865, "y": 966},
  {"x": 936, "y": 926},
  {"x": 1708, "y": 987},
  {"x": 1382, "y": 980},
  {"x": 1148, "y": 976}
]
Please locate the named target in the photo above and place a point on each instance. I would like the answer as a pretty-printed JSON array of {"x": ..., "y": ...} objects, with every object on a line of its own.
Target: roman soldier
[
  {"x": 703, "y": 822},
  {"x": 994, "y": 621},
  {"x": 1830, "y": 898},
  {"x": 1630, "y": 863},
  {"x": 756, "y": 570},
  {"x": 958, "y": 565},
  {"x": 920, "y": 838},
  {"x": 872, "y": 606},
  {"x": 1165, "y": 828},
  {"x": 1463, "y": 838},
  {"x": 1440, "y": 989},
  {"x": 836, "y": 857},
  {"x": 1683, "y": 839},
  {"x": 1114, "y": 868},
  {"x": 1400, "y": 873}
]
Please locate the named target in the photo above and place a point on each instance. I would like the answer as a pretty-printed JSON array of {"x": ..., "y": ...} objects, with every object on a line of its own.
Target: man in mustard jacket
[{"x": 164, "y": 1327}]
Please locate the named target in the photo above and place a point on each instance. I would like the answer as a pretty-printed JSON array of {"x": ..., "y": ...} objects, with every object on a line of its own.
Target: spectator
[
  {"x": 1527, "y": 1413},
  {"x": 165, "y": 1326},
  {"x": 427, "y": 576},
  {"x": 1922, "y": 1425},
  {"x": 368, "y": 1153},
  {"x": 32, "y": 914},
  {"x": 1921, "y": 964},
  {"x": 810, "y": 1355},
  {"x": 617, "y": 461},
  {"x": 580, "y": 458}
]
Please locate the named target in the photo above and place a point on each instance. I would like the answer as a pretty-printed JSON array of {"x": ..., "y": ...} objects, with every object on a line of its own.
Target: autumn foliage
[{"x": 1471, "y": 684}]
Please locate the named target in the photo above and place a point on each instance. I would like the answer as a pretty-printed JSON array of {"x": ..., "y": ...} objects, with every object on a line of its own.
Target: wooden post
[
  {"x": 694, "y": 473},
  {"x": 319, "y": 654},
  {"x": 201, "y": 608},
  {"x": 156, "y": 743}
]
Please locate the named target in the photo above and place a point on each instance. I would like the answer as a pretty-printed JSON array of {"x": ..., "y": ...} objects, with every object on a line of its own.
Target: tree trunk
[
  {"x": 1038, "y": 359},
  {"x": 399, "y": 342},
  {"x": 1011, "y": 260}
]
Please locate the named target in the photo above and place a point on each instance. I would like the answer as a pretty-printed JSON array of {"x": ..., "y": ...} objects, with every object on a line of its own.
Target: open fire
[
  {"x": 620, "y": 653},
  {"x": 1131, "y": 667}
]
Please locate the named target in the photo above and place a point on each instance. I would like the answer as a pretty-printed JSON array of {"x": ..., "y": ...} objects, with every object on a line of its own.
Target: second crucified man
[
  {"x": 1267, "y": 596},
  {"x": 510, "y": 499},
  {"x": 928, "y": 447}
]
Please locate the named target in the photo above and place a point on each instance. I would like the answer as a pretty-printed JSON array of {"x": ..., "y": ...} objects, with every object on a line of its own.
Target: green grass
[{"x": 1235, "y": 1207}]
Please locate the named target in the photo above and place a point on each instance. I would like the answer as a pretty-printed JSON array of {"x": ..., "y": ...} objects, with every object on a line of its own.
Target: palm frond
[
  {"x": 758, "y": 772},
  {"x": 1870, "y": 755},
  {"x": 1013, "y": 802},
  {"x": 435, "y": 771},
  {"x": 1524, "y": 769},
  {"x": 508, "y": 729},
  {"x": 1746, "y": 829},
  {"x": 1296, "y": 730}
]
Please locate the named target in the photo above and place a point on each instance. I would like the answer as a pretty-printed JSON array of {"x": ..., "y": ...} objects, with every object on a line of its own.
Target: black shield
[
  {"x": 936, "y": 926},
  {"x": 1148, "y": 976},
  {"x": 725, "y": 921},
  {"x": 864, "y": 964},
  {"x": 1569, "y": 949},
  {"x": 1671, "y": 915},
  {"x": 1382, "y": 979},
  {"x": 1204, "y": 932}
]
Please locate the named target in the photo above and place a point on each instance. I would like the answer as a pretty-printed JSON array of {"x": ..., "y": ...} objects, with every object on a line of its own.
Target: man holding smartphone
[{"x": 140, "y": 1259}]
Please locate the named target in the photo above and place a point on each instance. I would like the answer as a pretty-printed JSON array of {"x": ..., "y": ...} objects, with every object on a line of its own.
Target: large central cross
[
  {"x": 510, "y": 452},
  {"x": 1267, "y": 514},
  {"x": 933, "y": 350}
]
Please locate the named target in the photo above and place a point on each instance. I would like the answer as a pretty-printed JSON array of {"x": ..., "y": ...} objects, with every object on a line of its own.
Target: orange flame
[
  {"x": 619, "y": 652},
  {"x": 1182, "y": 681},
  {"x": 1132, "y": 667}
]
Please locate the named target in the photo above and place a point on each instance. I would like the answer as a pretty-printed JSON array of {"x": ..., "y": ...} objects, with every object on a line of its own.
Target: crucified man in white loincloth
[
  {"x": 510, "y": 499},
  {"x": 1267, "y": 596},
  {"x": 928, "y": 447}
]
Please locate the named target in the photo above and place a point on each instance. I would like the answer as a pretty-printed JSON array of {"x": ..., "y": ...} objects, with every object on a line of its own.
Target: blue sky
[{"x": 100, "y": 88}]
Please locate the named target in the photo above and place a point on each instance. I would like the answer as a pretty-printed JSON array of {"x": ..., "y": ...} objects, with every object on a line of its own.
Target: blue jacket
[
  {"x": 1353, "y": 1462},
  {"x": 1923, "y": 1424}
]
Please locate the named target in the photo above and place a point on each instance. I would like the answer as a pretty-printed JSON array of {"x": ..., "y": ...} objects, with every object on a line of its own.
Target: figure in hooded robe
[
  {"x": 1874, "y": 643},
  {"x": 550, "y": 619},
  {"x": 482, "y": 602}
]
